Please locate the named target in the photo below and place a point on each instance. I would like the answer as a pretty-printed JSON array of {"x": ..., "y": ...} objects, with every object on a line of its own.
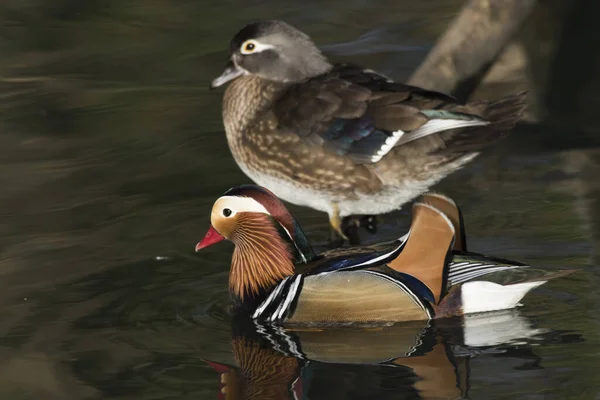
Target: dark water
[{"x": 112, "y": 152}]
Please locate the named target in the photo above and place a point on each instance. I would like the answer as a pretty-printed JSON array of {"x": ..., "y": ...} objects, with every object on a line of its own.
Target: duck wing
[{"x": 362, "y": 115}]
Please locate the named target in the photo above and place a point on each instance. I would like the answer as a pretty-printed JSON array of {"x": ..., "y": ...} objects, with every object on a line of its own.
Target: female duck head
[{"x": 275, "y": 51}]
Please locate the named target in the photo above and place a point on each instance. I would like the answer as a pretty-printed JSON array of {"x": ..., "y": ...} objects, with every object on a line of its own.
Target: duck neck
[{"x": 261, "y": 259}]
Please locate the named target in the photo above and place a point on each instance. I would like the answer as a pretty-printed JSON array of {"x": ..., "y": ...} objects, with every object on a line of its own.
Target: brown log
[{"x": 470, "y": 45}]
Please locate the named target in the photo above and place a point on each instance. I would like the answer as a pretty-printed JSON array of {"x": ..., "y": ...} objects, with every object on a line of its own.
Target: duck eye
[
  {"x": 248, "y": 47},
  {"x": 226, "y": 212}
]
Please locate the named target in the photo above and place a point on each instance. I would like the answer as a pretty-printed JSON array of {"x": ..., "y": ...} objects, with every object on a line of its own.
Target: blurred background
[{"x": 112, "y": 151}]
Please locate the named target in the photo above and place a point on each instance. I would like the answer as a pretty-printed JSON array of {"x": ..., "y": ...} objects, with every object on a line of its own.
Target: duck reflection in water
[{"x": 417, "y": 360}]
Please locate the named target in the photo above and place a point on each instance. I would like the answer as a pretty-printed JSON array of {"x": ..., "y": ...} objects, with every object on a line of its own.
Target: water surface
[{"x": 112, "y": 152}]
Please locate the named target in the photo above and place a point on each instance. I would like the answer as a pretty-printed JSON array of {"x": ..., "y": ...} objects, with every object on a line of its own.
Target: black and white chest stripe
[{"x": 277, "y": 305}]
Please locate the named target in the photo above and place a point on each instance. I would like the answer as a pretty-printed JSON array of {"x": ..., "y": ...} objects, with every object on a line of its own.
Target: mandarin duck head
[
  {"x": 275, "y": 51},
  {"x": 268, "y": 240}
]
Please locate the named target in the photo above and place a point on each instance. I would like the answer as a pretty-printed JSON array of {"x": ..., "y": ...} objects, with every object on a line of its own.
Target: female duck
[
  {"x": 339, "y": 138},
  {"x": 427, "y": 273}
]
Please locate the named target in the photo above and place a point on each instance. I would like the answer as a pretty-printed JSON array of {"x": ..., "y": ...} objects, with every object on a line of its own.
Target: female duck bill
[{"x": 230, "y": 73}]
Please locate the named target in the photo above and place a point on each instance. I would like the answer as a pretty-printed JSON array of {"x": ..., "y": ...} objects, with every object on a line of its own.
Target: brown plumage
[
  {"x": 425, "y": 256},
  {"x": 340, "y": 138},
  {"x": 449, "y": 208},
  {"x": 260, "y": 259}
]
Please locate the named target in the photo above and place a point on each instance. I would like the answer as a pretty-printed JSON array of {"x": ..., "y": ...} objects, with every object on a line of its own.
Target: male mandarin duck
[
  {"x": 339, "y": 138},
  {"x": 425, "y": 274}
]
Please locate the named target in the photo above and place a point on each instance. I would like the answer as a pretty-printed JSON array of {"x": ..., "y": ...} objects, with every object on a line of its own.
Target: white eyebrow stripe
[
  {"x": 241, "y": 204},
  {"x": 257, "y": 49}
]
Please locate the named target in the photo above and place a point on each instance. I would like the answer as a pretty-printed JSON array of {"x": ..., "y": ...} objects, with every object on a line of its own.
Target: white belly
[
  {"x": 286, "y": 190},
  {"x": 387, "y": 200},
  {"x": 366, "y": 204}
]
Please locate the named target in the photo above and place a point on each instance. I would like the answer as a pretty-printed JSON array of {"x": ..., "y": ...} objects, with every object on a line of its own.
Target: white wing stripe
[
  {"x": 438, "y": 125},
  {"x": 388, "y": 145}
]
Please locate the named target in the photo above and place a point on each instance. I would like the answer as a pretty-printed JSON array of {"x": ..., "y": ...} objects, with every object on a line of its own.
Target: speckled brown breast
[{"x": 258, "y": 145}]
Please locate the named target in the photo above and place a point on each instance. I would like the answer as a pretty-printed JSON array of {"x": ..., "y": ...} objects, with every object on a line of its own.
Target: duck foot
[
  {"x": 351, "y": 226},
  {"x": 337, "y": 235}
]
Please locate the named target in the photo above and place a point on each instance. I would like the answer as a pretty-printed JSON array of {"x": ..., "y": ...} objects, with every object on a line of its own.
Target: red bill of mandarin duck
[
  {"x": 425, "y": 274},
  {"x": 339, "y": 138}
]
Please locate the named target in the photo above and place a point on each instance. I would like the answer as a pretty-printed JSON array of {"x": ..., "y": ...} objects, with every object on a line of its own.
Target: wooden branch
[{"x": 471, "y": 44}]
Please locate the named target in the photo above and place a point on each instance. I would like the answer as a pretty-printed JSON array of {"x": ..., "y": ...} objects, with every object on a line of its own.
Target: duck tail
[
  {"x": 502, "y": 115},
  {"x": 483, "y": 296}
]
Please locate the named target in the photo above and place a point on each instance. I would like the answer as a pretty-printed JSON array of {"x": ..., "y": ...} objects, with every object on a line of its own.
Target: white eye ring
[{"x": 252, "y": 46}]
